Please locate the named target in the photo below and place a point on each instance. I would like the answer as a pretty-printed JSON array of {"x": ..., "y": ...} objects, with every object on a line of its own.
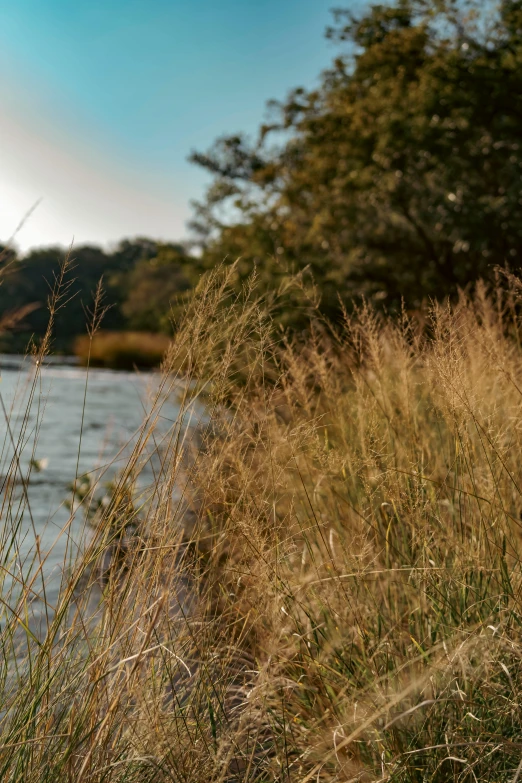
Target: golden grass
[
  {"x": 323, "y": 582},
  {"x": 121, "y": 350}
]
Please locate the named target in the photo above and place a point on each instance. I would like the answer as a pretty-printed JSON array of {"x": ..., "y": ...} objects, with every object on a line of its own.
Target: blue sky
[{"x": 103, "y": 101}]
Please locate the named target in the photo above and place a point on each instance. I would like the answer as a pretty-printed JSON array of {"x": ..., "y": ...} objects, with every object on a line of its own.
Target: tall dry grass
[{"x": 321, "y": 584}]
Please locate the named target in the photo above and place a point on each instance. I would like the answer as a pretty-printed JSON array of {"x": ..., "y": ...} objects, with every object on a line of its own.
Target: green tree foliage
[
  {"x": 140, "y": 279},
  {"x": 29, "y": 281},
  {"x": 156, "y": 287},
  {"x": 400, "y": 175}
]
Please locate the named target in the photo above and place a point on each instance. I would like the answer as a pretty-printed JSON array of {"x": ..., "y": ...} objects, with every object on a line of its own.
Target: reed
[{"x": 323, "y": 581}]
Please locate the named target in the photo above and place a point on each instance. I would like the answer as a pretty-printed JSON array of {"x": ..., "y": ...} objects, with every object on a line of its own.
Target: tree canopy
[{"x": 399, "y": 177}]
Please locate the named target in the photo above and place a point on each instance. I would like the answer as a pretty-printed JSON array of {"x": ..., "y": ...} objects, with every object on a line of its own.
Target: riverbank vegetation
[{"x": 321, "y": 583}]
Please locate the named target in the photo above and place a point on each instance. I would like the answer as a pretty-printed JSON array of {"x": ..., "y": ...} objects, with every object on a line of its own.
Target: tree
[
  {"x": 400, "y": 176},
  {"x": 27, "y": 283},
  {"x": 155, "y": 287}
]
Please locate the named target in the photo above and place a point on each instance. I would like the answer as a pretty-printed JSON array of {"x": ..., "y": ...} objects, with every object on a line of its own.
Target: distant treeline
[
  {"x": 398, "y": 178},
  {"x": 142, "y": 280}
]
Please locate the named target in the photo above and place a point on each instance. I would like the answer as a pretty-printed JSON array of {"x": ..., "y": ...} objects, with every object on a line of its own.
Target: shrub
[{"x": 122, "y": 350}]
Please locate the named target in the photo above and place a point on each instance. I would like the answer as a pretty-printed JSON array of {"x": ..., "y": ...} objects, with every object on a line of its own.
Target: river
[{"x": 65, "y": 424}]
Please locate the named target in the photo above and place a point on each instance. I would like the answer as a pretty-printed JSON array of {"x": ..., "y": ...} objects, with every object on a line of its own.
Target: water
[{"x": 49, "y": 428}]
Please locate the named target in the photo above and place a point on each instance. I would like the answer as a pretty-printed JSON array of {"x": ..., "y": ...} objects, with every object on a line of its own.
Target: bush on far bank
[{"x": 122, "y": 350}]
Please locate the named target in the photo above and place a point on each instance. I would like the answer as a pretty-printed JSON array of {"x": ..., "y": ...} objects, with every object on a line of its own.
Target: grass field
[{"x": 323, "y": 582}]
